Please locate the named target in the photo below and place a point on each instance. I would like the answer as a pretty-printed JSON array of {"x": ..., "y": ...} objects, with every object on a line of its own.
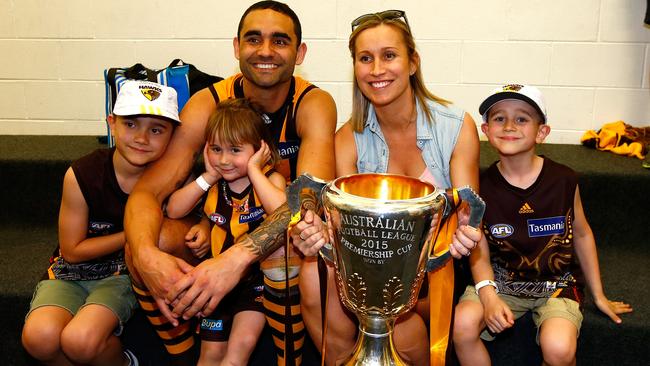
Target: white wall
[{"x": 591, "y": 58}]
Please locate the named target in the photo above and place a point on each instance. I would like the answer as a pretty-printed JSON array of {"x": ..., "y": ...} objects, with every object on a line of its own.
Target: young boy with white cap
[
  {"x": 536, "y": 233},
  {"x": 79, "y": 308}
]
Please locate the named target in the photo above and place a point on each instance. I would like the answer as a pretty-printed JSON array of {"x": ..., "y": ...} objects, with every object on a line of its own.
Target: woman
[{"x": 397, "y": 126}]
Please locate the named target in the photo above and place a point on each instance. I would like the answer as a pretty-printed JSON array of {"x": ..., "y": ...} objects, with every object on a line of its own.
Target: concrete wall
[{"x": 591, "y": 58}]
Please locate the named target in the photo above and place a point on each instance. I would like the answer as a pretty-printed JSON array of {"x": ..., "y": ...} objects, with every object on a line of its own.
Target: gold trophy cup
[{"x": 382, "y": 228}]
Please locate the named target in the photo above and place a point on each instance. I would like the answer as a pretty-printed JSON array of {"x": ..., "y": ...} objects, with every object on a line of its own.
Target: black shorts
[{"x": 247, "y": 295}]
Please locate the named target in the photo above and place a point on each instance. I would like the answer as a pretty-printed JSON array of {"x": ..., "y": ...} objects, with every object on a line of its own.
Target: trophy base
[{"x": 375, "y": 345}]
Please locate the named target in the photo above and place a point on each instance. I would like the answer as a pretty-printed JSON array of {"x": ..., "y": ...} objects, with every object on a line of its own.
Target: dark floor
[{"x": 615, "y": 193}]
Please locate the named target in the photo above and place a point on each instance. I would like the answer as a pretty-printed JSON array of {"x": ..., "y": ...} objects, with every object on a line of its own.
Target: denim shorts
[
  {"x": 113, "y": 292},
  {"x": 542, "y": 308}
]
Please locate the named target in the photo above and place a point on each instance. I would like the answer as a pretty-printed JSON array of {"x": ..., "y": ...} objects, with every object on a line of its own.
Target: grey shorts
[
  {"x": 113, "y": 292},
  {"x": 542, "y": 308}
]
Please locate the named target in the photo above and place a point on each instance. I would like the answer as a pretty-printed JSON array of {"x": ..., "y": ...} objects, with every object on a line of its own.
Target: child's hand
[
  {"x": 498, "y": 316},
  {"x": 209, "y": 169},
  {"x": 261, "y": 157},
  {"x": 612, "y": 308},
  {"x": 197, "y": 240}
]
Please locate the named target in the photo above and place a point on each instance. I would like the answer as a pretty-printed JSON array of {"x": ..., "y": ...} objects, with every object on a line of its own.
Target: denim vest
[{"x": 436, "y": 139}]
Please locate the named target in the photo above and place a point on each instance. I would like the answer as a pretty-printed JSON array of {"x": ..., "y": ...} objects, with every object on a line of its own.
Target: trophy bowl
[{"x": 381, "y": 225}]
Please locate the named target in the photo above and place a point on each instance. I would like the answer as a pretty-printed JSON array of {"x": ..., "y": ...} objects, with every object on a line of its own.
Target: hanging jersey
[
  {"x": 530, "y": 232},
  {"x": 95, "y": 175},
  {"x": 281, "y": 123}
]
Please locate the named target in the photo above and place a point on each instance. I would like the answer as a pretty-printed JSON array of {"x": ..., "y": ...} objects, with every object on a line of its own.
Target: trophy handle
[{"x": 453, "y": 198}]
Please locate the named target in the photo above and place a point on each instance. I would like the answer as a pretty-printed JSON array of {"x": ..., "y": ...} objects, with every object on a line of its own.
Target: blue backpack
[{"x": 185, "y": 78}]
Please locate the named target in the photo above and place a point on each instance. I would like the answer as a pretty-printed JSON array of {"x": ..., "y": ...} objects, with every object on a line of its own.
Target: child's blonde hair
[{"x": 238, "y": 121}]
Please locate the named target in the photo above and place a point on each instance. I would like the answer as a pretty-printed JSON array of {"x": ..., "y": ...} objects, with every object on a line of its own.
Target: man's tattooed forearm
[{"x": 270, "y": 235}]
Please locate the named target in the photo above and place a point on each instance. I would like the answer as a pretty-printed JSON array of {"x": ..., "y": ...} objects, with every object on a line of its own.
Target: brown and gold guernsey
[
  {"x": 281, "y": 123},
  {"x": 233, "y": 214},
  {"x": 95, "y": 175},
  {"x": 530, "y": 233}
]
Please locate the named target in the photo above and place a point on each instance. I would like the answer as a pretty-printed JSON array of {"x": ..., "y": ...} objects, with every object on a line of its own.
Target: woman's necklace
[{"x": 226, "y": 196}]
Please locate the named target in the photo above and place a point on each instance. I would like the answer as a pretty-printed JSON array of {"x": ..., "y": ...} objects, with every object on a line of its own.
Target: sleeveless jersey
[
  {"x": 95, "y": 175},
  {"x": 233, "y": 214},
  {"x": 530, "y": 232},
  {"x": 281, "y": 123}
]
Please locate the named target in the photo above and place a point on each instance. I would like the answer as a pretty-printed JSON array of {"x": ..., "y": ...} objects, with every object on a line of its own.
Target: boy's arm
[
  {"x": 585, "y": 248},
  {"x": 143, "y": 216},
  {"x": 497, "y": 314},
  {"x": 73, "y": 227},
  {"x": 214, "y": 278}
]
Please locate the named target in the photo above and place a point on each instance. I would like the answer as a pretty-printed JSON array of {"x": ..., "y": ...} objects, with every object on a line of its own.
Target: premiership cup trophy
[{"x": 383, "y": 228}]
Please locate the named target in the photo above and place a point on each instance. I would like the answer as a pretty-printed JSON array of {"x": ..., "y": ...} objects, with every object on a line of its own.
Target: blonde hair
[
  {"x": 238, "y": 121},
  {"x": 360, "y": 103}
]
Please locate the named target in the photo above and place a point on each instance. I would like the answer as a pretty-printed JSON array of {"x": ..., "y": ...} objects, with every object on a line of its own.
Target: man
[{"x": 268, "y": 46}]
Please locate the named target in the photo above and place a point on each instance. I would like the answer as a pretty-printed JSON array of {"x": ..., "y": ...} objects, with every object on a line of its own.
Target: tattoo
[{"x": 270, "y": 235}]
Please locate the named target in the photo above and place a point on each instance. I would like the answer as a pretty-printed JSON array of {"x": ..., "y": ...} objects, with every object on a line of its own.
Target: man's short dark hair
[{"x": 279, "y": 7}]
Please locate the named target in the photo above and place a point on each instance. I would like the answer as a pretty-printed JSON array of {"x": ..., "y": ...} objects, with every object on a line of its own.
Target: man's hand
[
  {"x": 201, "y": 290},
  {"x": 160, "y": 271}
]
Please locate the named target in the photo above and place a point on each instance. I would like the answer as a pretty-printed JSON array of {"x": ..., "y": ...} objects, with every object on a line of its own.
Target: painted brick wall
[{"x": 591, "y": 58}]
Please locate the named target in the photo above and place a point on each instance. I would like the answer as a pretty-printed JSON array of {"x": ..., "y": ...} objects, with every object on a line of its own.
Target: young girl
[{"x": 242, "y": 187}]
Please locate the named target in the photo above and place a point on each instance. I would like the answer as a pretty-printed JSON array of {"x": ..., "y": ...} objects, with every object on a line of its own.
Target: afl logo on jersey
[
  {"x": 217, "y": 218},
  {"x": 100, "y": 227},
  {"x": 501, "y": 231}
]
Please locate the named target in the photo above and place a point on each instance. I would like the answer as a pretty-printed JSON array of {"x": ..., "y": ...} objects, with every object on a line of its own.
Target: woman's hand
[
  {"x": 466, "y": 237},
  {"x": 310, "y": 234}
]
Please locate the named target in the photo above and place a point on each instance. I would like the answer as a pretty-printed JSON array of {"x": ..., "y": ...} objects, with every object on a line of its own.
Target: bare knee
[
  {"x": 468, "y": 322},
  {"x": 81, "y": 344},
  {"x": 411, "y": 339},
  {"x": 42, "y": 341},
  {"x": 212, "y": 353},
  {"x": 558, "y": 342},
  {"x": 557, "y": 352},
  {"x": 41, "y": 334}
]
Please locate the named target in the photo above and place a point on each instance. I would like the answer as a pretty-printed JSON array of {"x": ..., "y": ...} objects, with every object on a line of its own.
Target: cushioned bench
[{"x": 615, "y": 192}]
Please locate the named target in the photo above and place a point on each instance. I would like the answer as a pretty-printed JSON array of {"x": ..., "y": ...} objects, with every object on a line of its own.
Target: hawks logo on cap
[
  {"x": 512, "y": 87},
  {"x": 150, "y": 92}
]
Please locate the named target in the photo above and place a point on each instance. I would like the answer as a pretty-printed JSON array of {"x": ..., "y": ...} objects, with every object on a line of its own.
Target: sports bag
[{"x": 183, "y": 77}]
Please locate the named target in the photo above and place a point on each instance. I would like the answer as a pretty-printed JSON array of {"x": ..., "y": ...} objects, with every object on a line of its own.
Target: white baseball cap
[
  {"x": 526, "y": 93},
  {"x": 138, "y": 97}
]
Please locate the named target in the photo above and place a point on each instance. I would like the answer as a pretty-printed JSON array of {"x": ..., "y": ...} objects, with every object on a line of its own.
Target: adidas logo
[{"x": 526, "y": 209}]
